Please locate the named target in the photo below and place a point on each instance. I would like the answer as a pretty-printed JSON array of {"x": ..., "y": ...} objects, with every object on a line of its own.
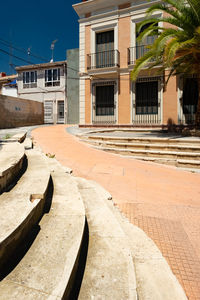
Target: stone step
[
  {"x": 109, "y": 272},
  {"x": 48, "y": 269},
  {"x": 160, "y": 146},
  {"x": 142, "y": 139},
  {"x": 11, "y": 161},
  {"x": 28, "y": 143},
  {"x": 156, "y": 129},
  {"x": 22, "y": 207},
  {"x": 18, "y": 137},
  {"x": 157, "y": 154},
  {"x": 187, "y": 165}
]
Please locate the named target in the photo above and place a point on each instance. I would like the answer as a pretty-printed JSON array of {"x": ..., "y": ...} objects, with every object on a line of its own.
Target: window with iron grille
[
  {"x": 30, "y": 79},
  {"x": 146, "y": 98},
  {"x": 190, "y": 96},
  {"x": 105, "y": 100},
  {"x": 52, "y": 77}
]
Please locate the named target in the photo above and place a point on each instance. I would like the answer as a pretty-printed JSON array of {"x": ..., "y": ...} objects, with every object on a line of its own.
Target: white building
[
  {"x": 8, "y": 85},
  {"x": 45, "y": 83}
]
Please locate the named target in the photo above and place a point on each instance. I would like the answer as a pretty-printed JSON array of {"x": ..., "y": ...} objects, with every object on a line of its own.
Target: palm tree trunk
[{"x": 197, "y": 118}]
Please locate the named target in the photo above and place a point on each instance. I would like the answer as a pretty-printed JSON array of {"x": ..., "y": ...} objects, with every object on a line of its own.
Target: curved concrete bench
[
  {"x": 11, "y": 160},
  {"x": 109, "y": 272},
  {"x": 48, "y": 269},
  {"x": 22, "y": 207}
]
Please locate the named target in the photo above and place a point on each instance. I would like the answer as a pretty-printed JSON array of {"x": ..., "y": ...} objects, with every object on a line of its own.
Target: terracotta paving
[{"x": 161, "y": 200}]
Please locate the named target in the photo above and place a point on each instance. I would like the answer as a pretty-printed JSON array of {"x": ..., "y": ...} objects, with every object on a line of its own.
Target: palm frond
[{"x": 140, "y": 63}]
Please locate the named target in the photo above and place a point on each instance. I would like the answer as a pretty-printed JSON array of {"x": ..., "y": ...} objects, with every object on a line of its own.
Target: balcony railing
[
  {"x": 104, "y": 59},
  {"x": 140, "y": 49},
  {"x": 136, "y": 52}
]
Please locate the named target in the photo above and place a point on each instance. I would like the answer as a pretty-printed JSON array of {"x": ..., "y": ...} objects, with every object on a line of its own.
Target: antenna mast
[{"x": 52, "y": 49}]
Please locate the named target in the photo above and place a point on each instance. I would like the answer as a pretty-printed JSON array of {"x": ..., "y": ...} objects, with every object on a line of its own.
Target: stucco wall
[
  {"x": 73, "y": 86},
  {"x": 88, "y": 117},
  {"x": 15, "y": 112},
  {"x": 170, "y": 102}
]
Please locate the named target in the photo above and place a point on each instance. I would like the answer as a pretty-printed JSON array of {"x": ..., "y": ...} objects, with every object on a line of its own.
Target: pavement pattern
[{"x": 164, "y": 201}]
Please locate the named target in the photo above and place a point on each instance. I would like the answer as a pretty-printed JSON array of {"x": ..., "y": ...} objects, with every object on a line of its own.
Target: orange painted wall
[
  {"x": 170, "y": 102},
  {"x": 124, "y": 100},
  {"x": 87, "y": 101},
  {"x": 124, "y": 39},
  {"x": 87, "y": 44}
]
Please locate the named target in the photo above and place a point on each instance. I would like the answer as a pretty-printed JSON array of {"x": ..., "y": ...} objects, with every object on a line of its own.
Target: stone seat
[
  {"x": 48, "y": 269},
  {"x": 11, "y": 160},
  {"x": 109, "y": 272},
  {"x": 22, "y": 207}
]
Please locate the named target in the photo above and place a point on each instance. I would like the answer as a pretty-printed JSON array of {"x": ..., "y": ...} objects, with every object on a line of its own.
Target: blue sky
[{"x": 36, "y": 24}]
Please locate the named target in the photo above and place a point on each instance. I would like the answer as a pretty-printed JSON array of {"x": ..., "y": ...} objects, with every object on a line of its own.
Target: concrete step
[
  {"x": 158, "y": 147},
  {"x": 28, "y": 143},
  {"x": 48, "y": 269},
  {"x": 157, "y": 154},
  {"x": 148, "y": 129},
  {"x": 109, "y": 272},
  {"x": 18, "y": 137},
  {"x": 145, "y": 140},
  {"x": 22, "y": 207},
  {"x": 11, "y": 160},
  {"x": 188, "y": 165}
]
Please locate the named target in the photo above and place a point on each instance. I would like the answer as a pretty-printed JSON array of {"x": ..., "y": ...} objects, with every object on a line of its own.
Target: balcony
[
  {"x": 104, "y": 59},
  {"x": 136, "y": 53},
  {"x": 140, "y": 49}
]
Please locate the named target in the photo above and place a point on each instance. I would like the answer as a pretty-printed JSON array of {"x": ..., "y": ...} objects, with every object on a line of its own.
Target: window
[
  {"x": 147, "y": 98},
  {"x": 105, "y": 100},
  {"x": 142, "y": 46},
  {"x": 105, "y": 49},
  {"x": 30, "y": 79},
  {"x": 52, "y": 77},
  {"x": 190, "y": 96}
]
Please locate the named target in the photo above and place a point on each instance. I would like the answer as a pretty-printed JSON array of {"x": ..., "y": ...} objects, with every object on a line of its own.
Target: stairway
[
  {"x": 61, "y": 238},
  {"x": 179, "y": 152}
]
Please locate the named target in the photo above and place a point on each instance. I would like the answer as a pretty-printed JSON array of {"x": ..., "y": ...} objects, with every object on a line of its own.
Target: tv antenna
[
  {"x": 52, "y": 49},
  {"x": 29, "y": 52}
]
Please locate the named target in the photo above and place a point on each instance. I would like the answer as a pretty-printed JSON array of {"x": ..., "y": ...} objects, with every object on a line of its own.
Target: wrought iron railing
[
  {"x": 104, "y": 59},
  {"x": 140, "y": 49},
  {"x": 147, "y": 112},
  {"x": 136, "y": 52}
]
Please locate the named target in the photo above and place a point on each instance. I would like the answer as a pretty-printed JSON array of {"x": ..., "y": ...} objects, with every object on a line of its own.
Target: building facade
[
  {"x": 108, "y": 51},
  {"x": 46, "y": 83}
]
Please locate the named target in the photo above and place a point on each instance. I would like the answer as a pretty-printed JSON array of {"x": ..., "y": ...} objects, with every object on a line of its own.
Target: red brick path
[{"x": 163, "y": 201}]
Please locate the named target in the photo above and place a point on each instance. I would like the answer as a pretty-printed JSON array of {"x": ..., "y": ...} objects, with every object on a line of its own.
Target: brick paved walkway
[{"x": 163, "y": 201}]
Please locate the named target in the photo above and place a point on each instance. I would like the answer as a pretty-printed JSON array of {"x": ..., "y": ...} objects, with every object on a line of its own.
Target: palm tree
[{"x": 177, "y": 47}]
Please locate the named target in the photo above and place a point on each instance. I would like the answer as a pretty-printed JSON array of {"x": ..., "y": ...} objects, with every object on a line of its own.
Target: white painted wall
[{"x": 9, "y": 91}]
